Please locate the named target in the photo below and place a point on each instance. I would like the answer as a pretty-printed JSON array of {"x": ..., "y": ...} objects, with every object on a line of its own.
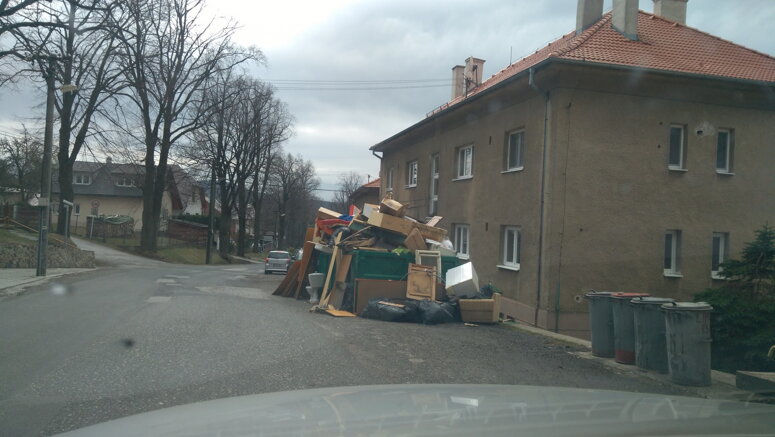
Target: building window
[
  {"x": 672, "y": 264},
  {"x": 511, "y": 240},
  {"x": 514, "y": 151},
  {"x": 724, "y": 150},
  {"x": 465, "y": 161},
  {"x": 677, "y": 149},
  {"x": 389, "y": 183},
  {"x": 82, "y": 179},
  {"x": 434, "y": 189},
  {"x": 411, "y": 174},
  {"x": 125, "y": 182},
  {"x": 461, "y": 240},
  {"x": 77, "y": 209},
  {"x": 720, "y": 247}
]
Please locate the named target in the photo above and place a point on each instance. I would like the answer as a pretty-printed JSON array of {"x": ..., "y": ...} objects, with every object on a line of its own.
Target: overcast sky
[{"x": 397, "y": 40}]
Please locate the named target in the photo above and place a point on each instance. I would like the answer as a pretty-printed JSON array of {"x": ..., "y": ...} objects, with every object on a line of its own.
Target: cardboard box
[
  {"x": 366, "y": 289},
  {"x": 391, "y": 207},
  {"x": 324, "y": 213},
  {"x": 462, "y": 281},
  {"x": 421, "y": 282},
  {"x": 395, "y": 224},
  {"x": 415, "y": 241},
  {"x": 480, "y": 310}
]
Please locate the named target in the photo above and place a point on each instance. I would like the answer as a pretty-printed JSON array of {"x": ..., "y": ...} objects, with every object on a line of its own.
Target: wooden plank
[
  {"x": 344, "y": 267},
  {"x": 367, "y": 289},
  {"x": 434, "y": 221},
  {"x": 308, "y": 248},
  {"x": 309, "y": 234},
  {"x": 326, "y": 293},
  {"x": 324, "y": 213},
  {"x": 292, "y": 272},
  {"x": 339, "y": 313},
  {"x": 337, "y": 295},
  {"x": 421, "y": 282}
]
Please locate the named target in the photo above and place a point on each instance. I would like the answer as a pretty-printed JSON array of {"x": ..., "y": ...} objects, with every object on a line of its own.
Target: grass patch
[
  {"x": 8, "y": 236},
  {"x": 177, "y": 255}
]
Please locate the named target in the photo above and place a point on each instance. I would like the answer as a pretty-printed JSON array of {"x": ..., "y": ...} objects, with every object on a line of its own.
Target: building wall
[
  {"x": 131, "y": 206},
  {"x": 609, "y": 196},
  {"x": 613, "y": 196}
]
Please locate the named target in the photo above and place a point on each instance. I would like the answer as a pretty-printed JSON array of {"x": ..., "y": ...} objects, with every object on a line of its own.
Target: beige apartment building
[{"x": 633, "y": 154}]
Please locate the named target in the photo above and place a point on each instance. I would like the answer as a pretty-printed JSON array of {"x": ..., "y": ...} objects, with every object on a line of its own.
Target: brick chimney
[
  {"x": 625, "y": 18},
  {"x": 587, "y": 13},
  {"x": 458, "y": 81},
  {"x": 673, "y": 10},
  {"x": 474, "y": 72}
]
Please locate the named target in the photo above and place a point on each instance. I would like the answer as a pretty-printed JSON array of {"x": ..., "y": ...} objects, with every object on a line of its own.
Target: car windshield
[
  {"x": 421, "y": 214},
  {"x": 279, "y": 255}
]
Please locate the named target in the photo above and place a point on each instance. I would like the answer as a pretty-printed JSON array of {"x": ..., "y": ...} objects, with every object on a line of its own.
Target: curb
[
  {"x": 24, "y": 284},
  {"x": 723, "y": 385}
]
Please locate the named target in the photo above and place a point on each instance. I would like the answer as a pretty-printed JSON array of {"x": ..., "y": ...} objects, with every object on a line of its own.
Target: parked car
[{"x": 277, "y": 261}]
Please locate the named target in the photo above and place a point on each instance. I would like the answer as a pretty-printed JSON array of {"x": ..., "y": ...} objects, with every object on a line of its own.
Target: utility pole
[
  {"x": 211, "y": 212},
  {"x": 45, "y": 183}
]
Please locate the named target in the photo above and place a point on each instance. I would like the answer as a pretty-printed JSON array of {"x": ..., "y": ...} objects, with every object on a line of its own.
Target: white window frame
[
  {"x": 411, "y": 174},
  {"x": 681, "y": 166},
  {"x": 433, "y": 203},
  {"x": 674, "y": 251},
  {"x": 464, "y": 162},
  {"x": 519, "y": 149},
  {"x": 122, "y": 182},
  {"x": 85, "y": 179},
  {"x": 506, "y": 263},
  {"x": 727, "y": 169},
  {"x": 463, "y": 240},
  {"x": 723, "y": 251},
  {"x": 389, "y": 177}
]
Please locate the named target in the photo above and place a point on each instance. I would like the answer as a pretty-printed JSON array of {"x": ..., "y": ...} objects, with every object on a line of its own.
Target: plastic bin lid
[
  {"x": 687, "y": 306},
  {"x": 628, "y": 296},
  {"x": 652, "y": 300}
]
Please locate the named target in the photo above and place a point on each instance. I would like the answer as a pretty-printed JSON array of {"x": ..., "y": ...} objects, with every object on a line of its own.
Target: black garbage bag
[
  {"x": 433, "y": 313},
  {"x": 392, "y": 310}
]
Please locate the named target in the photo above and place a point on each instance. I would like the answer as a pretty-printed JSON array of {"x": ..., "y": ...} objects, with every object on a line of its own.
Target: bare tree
[
  {"x": 22, "y": 155},
  {"x": 170, "y": 52},
  {"x": 348, "y": 183},
  {"x": 84, "y": 48},
  {"x": 293, "y": 180},
  {"x": 276, "y": 128}
]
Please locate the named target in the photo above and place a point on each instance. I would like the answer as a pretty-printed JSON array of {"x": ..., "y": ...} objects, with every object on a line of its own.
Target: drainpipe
[{"x": 544, "y": 156}]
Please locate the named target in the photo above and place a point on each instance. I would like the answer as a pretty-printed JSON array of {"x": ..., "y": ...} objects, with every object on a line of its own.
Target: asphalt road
[{"x": 143, "y": 335}]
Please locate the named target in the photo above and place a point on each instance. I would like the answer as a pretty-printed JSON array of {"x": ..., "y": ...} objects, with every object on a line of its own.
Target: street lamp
[{"x": 44, "y": 203}]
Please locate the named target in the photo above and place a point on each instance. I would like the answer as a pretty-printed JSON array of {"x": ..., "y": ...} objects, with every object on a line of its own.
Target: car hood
[{"x": 444, "y": 410}]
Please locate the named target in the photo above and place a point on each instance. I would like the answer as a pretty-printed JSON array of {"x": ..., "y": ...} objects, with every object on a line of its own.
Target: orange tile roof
[
  {"x": 662, "y": 45},
  {"x": 373, "y": 184}
]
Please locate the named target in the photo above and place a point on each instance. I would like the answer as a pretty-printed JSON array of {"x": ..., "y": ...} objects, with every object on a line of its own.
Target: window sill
[
  {"x": 462, "y": 178},
  {"x": 410, "y": 186},
  {"x": 724, "y": 173},
  {"x": 672, "y": 275},
  {"x": 513, "y": 170},
  {"x": 504, "y": 267},
  {"x": 463, "y": 256},
  {"x": 677, "y": 169},
  {"x": 716, "y": 276}
]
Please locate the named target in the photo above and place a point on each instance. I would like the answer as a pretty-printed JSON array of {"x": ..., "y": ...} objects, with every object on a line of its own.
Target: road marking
[
  {"x": 246, "y": 292},
  {"x": 236, "y": 269},
  {"x": 177, "y": 276},
  {"x": 158, "y": 299},
  {"x": 165, "y": 281}
]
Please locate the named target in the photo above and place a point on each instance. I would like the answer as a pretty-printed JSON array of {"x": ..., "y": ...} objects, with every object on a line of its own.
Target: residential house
[
  {"x": 366, "y": 193},
  {"x": 108, "y": 189},
  {"x": 632, "y": 154},
  {"x": 188, "y": 196}
]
